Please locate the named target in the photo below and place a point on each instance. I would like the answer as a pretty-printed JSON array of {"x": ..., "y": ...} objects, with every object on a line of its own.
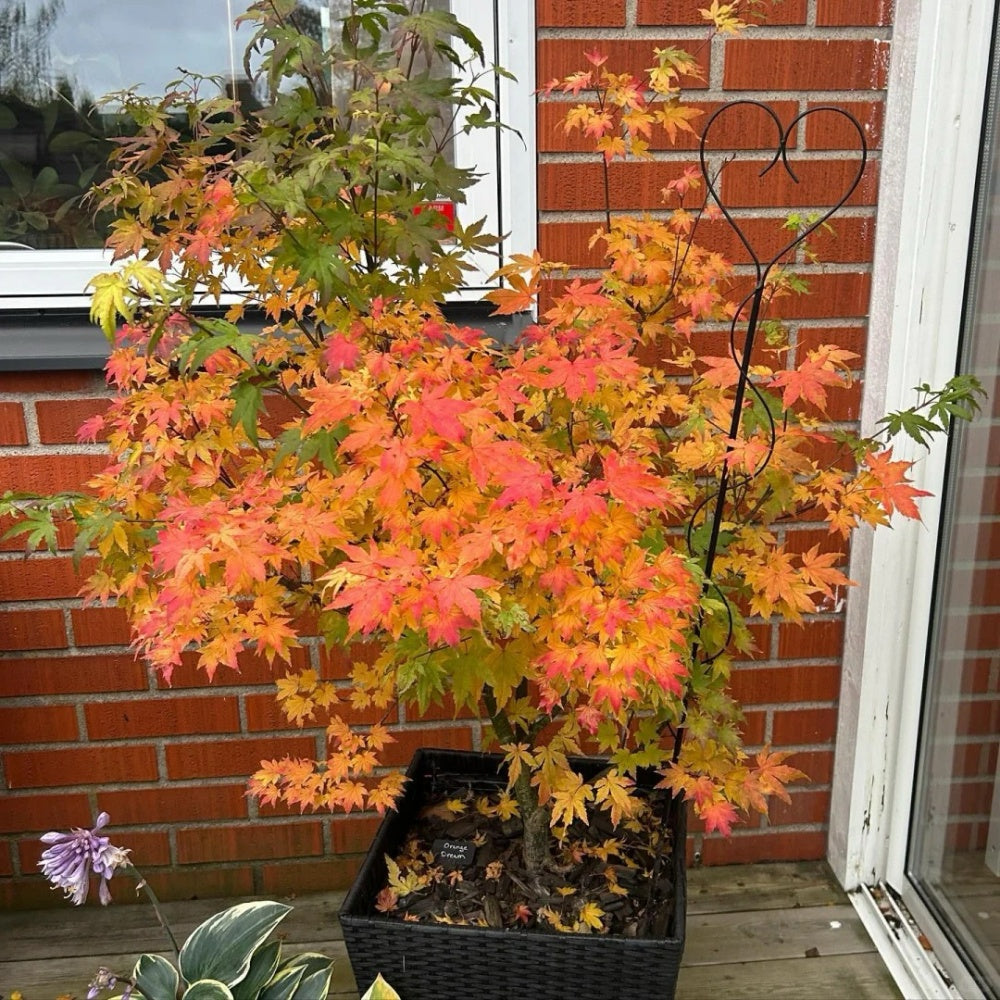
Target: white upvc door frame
[{"x": 938, "y": 77}]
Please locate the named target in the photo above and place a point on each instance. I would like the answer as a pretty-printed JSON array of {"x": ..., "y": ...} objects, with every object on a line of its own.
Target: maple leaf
[
  {"x": 807, "y": 382},
  {"x": 569, "y": 799},
  {"x": 590, "y": 914},
  {"x": 890, "y": 485},
  {"x": 718, "y": 815}
]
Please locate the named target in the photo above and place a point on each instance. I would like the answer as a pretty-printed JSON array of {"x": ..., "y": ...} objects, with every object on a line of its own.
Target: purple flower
[
  {"x": 107, "y": 980},
  {"x": 68, "y": 863}
]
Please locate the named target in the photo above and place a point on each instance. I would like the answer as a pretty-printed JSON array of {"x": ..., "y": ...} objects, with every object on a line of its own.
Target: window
[{"x": 58, "y": 56}]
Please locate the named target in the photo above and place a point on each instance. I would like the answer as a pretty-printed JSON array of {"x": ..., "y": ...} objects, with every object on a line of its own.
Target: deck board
[{"x": 751, "y": 930}]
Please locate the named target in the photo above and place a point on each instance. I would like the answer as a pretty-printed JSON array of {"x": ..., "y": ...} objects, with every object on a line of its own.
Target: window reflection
[{"x": 57, "y": 57}]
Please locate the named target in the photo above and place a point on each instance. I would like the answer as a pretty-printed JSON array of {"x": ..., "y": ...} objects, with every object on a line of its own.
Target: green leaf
[
  {"x": 380, "y": 990},
  {"x": 248, "y": 400},
  {"x": 204, "y": 989},
  {"x": 316, "y": 972},
  {"x": 263, "y": 966},
  {"x": 155, "y": 977},
  {"x": 284, "y": 985},
  {"x": 223, "y": 946}
]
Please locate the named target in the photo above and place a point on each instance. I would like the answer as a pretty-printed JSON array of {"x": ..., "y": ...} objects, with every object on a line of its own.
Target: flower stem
[{"x": 142, "y": 884}]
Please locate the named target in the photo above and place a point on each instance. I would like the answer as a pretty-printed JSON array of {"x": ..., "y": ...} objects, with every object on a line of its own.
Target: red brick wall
[{"x": 85, "y": 728}]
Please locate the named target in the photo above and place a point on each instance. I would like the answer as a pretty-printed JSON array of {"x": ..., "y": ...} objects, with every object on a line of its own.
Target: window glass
[{"x": 57, "y": 58}]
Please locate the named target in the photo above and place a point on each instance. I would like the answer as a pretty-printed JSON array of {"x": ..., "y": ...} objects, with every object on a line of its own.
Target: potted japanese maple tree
[{"x": 565, "y": 535}]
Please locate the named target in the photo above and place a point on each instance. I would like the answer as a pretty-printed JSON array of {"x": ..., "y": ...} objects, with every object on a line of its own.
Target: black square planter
[{"x": 446, "y": 962}]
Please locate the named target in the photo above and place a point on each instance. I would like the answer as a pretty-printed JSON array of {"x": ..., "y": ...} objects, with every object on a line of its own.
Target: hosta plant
[
  {"x": 227, "y": 957},
  {"x": 537, "y": 532}
]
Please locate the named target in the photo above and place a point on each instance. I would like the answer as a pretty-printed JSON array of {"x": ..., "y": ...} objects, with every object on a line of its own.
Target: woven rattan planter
[{"x": 439, "y": 962}]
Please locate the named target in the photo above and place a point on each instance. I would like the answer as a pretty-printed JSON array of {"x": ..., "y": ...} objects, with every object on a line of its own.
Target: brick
[
  {"x": 201, "y": 882},
  {"x": 580, "y": 13},
  {"x": 569, "y": 241},
  {"x": 670, "y": 12},
  {"x": 12, "y": 427},
  {"x": 41, "y": 813},
  {"x": 408, "y": 741},
  {"x": 310, "y": 876},
  {"x": 174, "y": 804},
  {"x": 848, "y": 13},
  {"x": 851, "y": 241},
  {"x": 978, "y": 718},
  {"x": 162, "y": 716},
  {"x": 6, "y": 861},
  {"x": 254, "y": 671},
  {"x": 971, "y": 798},
  {"x": 571, "y": 187},
  {"x": 845, "y": 294},
  {"x": 802, "y": 539},
  {"x": 851, "y": 338},
  {"x": 38, "y": 628},
  {"x": 804, "y": 726},
  {"x": 805, "y": 845},
  {"x": 100, "y": 627},
  {"x": 975, "y": 760},
  {"x": 743, "y": 128},
  {"x": 80, "y": 765},
  {"x": 786, "y": 64},
  {"x": 59, "y": 420},
  {"x": 243, "y": 843},
  {"x": 38, "y": 724},
  {"x": 265, "y": 715},
  {"x": 765, "y": 685},
  {"x": 41, "y": 382},
  {"x": 816, "y": 765},
  {"x": 49, "y": 473},
  {"x": 350, "y": 835},
  {"x": 806, "y": 807},
  {"x": 70, "y": 675},
  {"x": 813, "y": 640},
  {"x": 820, "y": 184},
  {"x": 335, "y": 662},
  {"x": 42, "y": 579},
  {"x": 559, "y": 57},
  {"x": 224, "y": 758},
  {"x": 834, "y": 131},
  {"x": 753, "y": 728}
]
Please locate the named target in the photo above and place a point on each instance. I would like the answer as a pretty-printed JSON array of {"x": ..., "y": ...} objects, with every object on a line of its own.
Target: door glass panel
[{"x": 954, "y": 852}]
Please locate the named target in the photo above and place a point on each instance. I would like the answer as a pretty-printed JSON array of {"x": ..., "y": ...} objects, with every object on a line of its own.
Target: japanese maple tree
[{"x": 527, "y": 529}]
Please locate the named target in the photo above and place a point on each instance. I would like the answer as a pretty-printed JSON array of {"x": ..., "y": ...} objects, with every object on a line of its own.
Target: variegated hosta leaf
[
  {"x": 155, "y": 977},
  {"x": 381, "y": 990},
  {"x": 316, "y": 972},
  {"x": 284, "y": 985},
  {"x": 207, "y": 989},
  {"x": 263, "y": 966},
  {"x": 223, "y": 946}
]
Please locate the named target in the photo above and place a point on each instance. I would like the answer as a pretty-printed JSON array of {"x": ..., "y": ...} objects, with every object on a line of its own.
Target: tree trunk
[{"x": 534, "y": 817}]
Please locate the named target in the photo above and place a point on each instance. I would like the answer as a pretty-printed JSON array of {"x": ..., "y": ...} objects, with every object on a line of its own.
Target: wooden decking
[{"x": 758, "y": 931}]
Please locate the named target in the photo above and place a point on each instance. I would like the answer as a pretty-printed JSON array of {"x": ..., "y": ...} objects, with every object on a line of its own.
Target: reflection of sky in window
[{"x": 102, "y": 46}]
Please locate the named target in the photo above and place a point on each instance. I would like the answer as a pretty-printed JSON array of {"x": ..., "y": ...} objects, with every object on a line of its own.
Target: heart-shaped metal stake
[{"x": 754, "y": 299}]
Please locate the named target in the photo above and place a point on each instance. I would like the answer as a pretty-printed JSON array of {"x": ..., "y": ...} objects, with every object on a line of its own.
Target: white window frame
[
  {"x": 938, "y": 76},
  {"x": 57, "y": 279}
]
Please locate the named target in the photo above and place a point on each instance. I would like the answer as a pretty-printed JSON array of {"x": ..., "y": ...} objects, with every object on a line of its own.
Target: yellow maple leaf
[{"x": 590, "y": 914}]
